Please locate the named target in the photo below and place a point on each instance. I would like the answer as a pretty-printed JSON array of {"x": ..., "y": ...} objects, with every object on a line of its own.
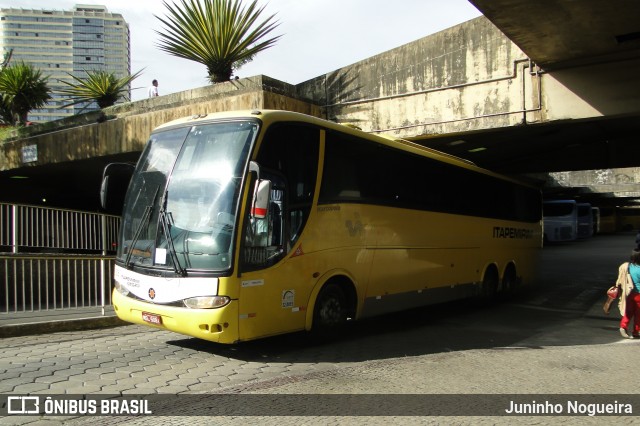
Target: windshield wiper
[
  {"x": 144, "y": 222},
  {"x": 166, "y": 222}
]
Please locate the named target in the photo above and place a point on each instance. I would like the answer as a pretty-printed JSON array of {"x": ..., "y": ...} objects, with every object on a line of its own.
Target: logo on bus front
[{"x": 152, "y": 293}]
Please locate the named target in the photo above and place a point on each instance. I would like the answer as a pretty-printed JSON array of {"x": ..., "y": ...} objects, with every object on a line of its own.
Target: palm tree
[
  {"x": 6, "y": 58},
  {"x": 5, "y": 113},
  {"x": 220, "y": 34},
  {"x": 22, "y": 88},
  {"x": 102, "y": 87}
]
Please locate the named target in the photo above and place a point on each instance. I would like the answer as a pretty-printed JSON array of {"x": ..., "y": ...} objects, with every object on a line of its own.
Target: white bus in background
[
  {"x": 560, "y": 220},
  {"x": 585, "y": 220}
]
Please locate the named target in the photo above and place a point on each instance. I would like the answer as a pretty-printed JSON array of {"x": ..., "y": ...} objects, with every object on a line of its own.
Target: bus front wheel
[{"x": 330, "y": 311}]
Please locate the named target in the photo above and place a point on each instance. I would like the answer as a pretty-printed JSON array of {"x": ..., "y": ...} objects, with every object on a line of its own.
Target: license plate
[{"x": 152, "y": 318}]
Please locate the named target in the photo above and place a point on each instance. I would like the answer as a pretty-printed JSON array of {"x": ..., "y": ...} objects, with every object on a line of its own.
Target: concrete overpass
[
  {"x": 592, "y": 49},
  {"x": 533, "y": 90},
  {"x": 533, "y": 87}
]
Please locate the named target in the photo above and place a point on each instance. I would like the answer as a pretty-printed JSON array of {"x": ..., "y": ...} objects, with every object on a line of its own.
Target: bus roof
[{"x": 269, "y": 116}]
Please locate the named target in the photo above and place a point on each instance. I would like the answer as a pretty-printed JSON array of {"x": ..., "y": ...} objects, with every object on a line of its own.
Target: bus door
[{"x": 274, "y": 283}]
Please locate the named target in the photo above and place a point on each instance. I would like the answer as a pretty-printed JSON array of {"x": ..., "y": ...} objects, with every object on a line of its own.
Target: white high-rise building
[{"x": 60, "y": 43}]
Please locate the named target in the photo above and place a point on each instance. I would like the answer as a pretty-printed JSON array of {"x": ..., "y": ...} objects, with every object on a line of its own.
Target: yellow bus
[
  {"x": 628, "y": 218},
  {"x": 608, "y": 220},
  {"x": 242, "y": 225}
]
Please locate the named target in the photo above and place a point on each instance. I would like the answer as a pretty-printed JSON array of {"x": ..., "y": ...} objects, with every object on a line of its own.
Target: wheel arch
[
  {"x": 345, "y": 281},
  {"x": 490, "y": 276},
  {"x": 490, "y": 269}
]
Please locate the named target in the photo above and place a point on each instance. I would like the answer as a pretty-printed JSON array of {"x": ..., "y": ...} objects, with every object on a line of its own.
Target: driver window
[
  {"x": 264, "y": 235},
  {"x": 267, "y": 231},
  {"x": 289, "y": 157}
]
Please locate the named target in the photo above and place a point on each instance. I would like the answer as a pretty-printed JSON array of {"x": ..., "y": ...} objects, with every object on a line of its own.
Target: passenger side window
[
  {"x": 292, "y": 149},
  {"x": 360, "y": 171}
]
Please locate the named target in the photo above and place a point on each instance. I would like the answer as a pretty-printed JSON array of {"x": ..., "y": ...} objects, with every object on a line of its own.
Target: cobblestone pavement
[
  {"x": 136, "y": 359},
  {"x": 555, "y": 340}
]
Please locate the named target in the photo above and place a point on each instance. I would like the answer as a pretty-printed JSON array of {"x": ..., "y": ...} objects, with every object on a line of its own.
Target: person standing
[
  {"x": 153, "y": 89},
  {"x": 629, "y": 303}
]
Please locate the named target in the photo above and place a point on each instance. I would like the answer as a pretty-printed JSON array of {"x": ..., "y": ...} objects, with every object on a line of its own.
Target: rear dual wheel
[
  {"x": 490, "y": 285},
  {"x": 509, "y": 281}
]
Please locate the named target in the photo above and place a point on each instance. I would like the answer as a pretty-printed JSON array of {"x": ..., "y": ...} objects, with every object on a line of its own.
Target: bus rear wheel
[
  {"x": 509, "y": 281},
  {"x": 330, "y": 311},
  {"x": 490, "y": 285}
]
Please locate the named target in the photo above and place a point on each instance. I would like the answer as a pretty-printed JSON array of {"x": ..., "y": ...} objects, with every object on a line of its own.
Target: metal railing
[
  {"x": 42, "y": 283},
  {"x": 33, "y": 228},
  {"x": 55, "y": 259}
]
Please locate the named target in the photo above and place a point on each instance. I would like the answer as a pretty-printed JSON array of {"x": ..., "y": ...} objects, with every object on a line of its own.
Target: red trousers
[{"x": 632, "y": 311}]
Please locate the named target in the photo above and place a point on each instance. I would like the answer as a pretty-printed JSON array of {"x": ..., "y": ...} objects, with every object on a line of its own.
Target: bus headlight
[
  {"x": 121, "y": 288},
  {"x": 205, "y": 302}
]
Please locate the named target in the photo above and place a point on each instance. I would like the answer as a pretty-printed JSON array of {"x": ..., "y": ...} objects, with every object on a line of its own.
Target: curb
[{"x": 26, "y": 329}]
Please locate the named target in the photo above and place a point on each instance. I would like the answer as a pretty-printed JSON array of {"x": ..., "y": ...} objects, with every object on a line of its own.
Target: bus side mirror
[
  {"x": 254, "y": 168},
  {"x": 261, "y": 198},
  {"x": 115, "y": 181}
]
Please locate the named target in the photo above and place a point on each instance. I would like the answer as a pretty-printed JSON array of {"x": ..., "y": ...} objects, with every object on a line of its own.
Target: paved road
[{"x": 554, "y": 339}]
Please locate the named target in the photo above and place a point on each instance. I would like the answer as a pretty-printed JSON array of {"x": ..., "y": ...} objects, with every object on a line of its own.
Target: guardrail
[
  {"x": 50, "y": 282},
  {"x": 32, "y": 228},
  {"x": 55, "y": 259}
]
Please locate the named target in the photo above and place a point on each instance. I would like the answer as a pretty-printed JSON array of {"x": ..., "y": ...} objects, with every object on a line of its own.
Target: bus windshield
[
  {"x": 558, "y": 209},
  {"x": 181, "y": 208}
]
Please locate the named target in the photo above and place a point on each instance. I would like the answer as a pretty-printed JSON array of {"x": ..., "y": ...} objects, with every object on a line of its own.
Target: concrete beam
[{"x": 125, "y": 128}]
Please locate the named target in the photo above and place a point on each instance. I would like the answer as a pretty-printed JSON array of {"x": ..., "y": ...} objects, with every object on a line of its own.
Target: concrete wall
[
  {"x": 619, "y": 182},
  {"x": 607, "y": 89},
  {"x": 125, "y": 128},
  {"x": 467, "y": 77}
]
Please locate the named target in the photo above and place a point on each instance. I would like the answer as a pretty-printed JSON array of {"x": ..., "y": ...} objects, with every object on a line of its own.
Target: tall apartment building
[{"x": 60, "y": 43}]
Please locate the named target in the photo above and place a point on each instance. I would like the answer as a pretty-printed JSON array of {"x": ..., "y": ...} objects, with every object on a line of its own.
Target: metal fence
[
  {"x": 37, "y": 283},
  {"x": 54, "y": 259},
  {"x": 39, "y": 229}
]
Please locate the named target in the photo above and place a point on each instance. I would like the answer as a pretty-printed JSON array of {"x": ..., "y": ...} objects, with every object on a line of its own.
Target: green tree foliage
[
  {"x": 22, "y": 89},
  {"x": 103, "y": 87},
  {"x": 5, "y": 112},
  {"x": 220, "y": 34}
]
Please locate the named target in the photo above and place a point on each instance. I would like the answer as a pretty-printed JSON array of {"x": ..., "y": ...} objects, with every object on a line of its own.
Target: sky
[{"x": 318, "y": 36}]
